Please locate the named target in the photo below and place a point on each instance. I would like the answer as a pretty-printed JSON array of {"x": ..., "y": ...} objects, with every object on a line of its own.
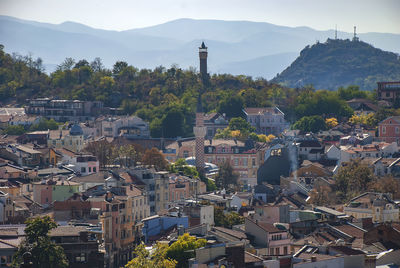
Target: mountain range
[{"x": 257, "y": 49}]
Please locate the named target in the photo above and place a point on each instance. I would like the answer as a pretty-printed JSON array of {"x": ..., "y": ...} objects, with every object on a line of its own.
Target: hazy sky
[{"x": 367, "y": 15}]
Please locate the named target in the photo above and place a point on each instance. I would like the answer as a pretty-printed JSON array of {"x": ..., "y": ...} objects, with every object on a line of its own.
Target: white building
[
  {"x": 128, "y": 126},
  {"x": 268, "y": 120}
]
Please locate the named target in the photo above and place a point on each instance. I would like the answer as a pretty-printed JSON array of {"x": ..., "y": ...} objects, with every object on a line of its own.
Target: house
[
  {"x": 64, "y": 110},
  {"x": 46, "y": 192},
  {"x": 155, "y": 225},
  {"x": 388, "y": 91},
  {"x": 389, "y": 129},
  {"x": 266, "y": 235},
  {"x": 266, "y": 121},
  {"x": 126, "y": 126},
  {"x": 213, "y": 122},
  {"x": 310, "y": 149},
  {"x": 374, "y": 150},
  {"x": 82, "y": 164},
  {"x": 362, "y": 106},
  {"x": 120, "y": 216},
  {"x": 72, "y": 139},
  {"x": 378, "y": 206},
  {"x": 81, "y": 246},
  {"x": 244, "y": 157},
  {"x": 21, "y": 154},
  {"x": 199, "y": 214}
]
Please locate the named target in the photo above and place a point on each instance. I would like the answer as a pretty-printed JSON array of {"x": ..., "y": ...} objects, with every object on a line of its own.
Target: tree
[
  {"x": 181, "y": 166},
  {"x": 321, "y": 195},
  {"x": 232, "y": 106},
  {"x": 45, "y": 253},
  {"x": 103, "y": 150},
  {"x": 157, "y": 259},
  {"x": 226, "y": 177},
  {"x": 127, "y": 155},
  {"x": 154, "y": 157},
  {"x": 352, "y": 179},
  {"x": 313, "y": 123},
  {"x": 226, "y": 220},
  {"x": 331, "y": 122},
  {"x": 387, "y": 184},
  {"x": 14, "y": 130},
  {"x": 183, "y": 249}
]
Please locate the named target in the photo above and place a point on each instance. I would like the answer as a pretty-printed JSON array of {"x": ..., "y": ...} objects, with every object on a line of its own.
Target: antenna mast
[
  {"x": 335, "y": 31},
  {"x": 355, "y": 38}
]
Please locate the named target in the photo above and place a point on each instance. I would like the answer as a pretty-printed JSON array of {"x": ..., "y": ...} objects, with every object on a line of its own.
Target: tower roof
[{"x": 202, "y": 45}]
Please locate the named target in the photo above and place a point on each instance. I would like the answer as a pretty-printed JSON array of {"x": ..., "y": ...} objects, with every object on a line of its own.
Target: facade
[
  {"x": 126, "y": 126},
  {"x": 81, "y": 247},
  {"x": 213, "y": 122},
  {"x": 7, "y": 209},
  {"x": 266, "y": 235},
  {"x": 72, "y": 139},
  {"x": 374, "y": 150},
  {"x": 266, "y": 121},
  {"x": 156, "y": 225},
  {"x": 380, "y": 207},
  {"x": 388, "y": 91},
  {"x": 64, "y": 110},
  {"x": 389, "y": 129},
  {"x": 48, "y": 191},
  {"x": 82, "y": 164}
]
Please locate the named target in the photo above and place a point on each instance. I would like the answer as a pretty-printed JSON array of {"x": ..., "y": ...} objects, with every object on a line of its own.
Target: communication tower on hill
[{"x": 355, "y": 38}]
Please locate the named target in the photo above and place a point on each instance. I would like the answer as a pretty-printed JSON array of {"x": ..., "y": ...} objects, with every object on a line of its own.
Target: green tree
[
  {"x": 183, "y": 249},
  {"x": 313, "y": 123},
  {"x": 157, "y": 259},
  {"x": 181, "y": 166},
  {"x": 226, "y": 220},
  {"x": 45, "y": 253},
  {"x": 14, "y": 130},
  {"x": 232, "y": 106}
]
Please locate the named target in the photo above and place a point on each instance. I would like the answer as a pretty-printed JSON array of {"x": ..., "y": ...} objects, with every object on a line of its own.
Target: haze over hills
[
  {"x": 237, "y": 47},
  {"x": 338, "y": 63}
]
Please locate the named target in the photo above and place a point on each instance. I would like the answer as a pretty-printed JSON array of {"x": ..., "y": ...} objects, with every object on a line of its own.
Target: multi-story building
[
  {"x": 55, "y": 189},
  {"x": 83, "y": 164},
  {"x": 156, "y": 184},
  {"x": 388, "y": 91},
  {"x": 389, "y": 129},
  {"x": 72, "y": 139},
  {"x": 121, "y": 216},
  {"x": 243, "y": 157},
  {"x": 378, "y": 206},
  {"x": 127, "y": 126},
  {"x": 213, "y": 122},
  {"x": 6, "y": 208},
  {"x": 267, "y": 121},
  {"x": 80, "y": 245},
  {"x": 275, "y": 241},
  {"x": 64, "y": 110}
]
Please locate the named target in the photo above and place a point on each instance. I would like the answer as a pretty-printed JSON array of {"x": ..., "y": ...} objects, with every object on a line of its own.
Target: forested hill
[{"x": 337, "y": 63}]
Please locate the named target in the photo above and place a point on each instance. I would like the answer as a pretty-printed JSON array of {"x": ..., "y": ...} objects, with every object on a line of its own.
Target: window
[
  {"x": 236, "y": 162},
  {"x": 80, "y": 257},
  {"x": 94, "y": 169},
  {"x": 210, "y": 149},
  {"x": 277, "y": 251},
  {"x": 158, "y": 197},
  {"x": 140, "y": 201},
  {"x": 397, "y": 130},
  {"x": 253, "y": 162},
  {"x": 384, "y": 130},
  {"x": 83, "y": 170},
  {"x": 285, "y": 251},
  {"x": 271, "y": 251},
  {"x": 90, "y": 169},
  {"x": 185, "y": 154}
]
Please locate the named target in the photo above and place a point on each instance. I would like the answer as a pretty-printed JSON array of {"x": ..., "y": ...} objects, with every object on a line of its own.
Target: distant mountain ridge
[
  {"x": 338, "y": 63},
  {"x": 237, "y": 47}
]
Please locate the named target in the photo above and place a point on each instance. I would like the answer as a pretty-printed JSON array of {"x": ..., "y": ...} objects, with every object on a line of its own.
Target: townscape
[{"x": 244, "y": 186}]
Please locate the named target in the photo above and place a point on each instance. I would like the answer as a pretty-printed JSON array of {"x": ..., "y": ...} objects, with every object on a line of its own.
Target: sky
[{"x": 367, "y": 15}]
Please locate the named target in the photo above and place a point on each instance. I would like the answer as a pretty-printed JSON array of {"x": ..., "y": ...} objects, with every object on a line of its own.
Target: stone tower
[{"x": 203, "y": 59}]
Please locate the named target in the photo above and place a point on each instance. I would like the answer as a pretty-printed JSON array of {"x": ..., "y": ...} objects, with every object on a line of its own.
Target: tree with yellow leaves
[
  {"x": 331, "y": 122},
  {"x": 158, "y": 259}
]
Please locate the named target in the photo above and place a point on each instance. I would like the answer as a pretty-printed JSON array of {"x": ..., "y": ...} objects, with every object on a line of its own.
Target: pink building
[
  {"x": 389, "y": 129},
  {"x": 179, "y": 188},
  {"x": 266, "y": 235}
]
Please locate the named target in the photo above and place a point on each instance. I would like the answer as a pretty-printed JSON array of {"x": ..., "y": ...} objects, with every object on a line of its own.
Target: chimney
[{"x": 313, "y": 259}]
